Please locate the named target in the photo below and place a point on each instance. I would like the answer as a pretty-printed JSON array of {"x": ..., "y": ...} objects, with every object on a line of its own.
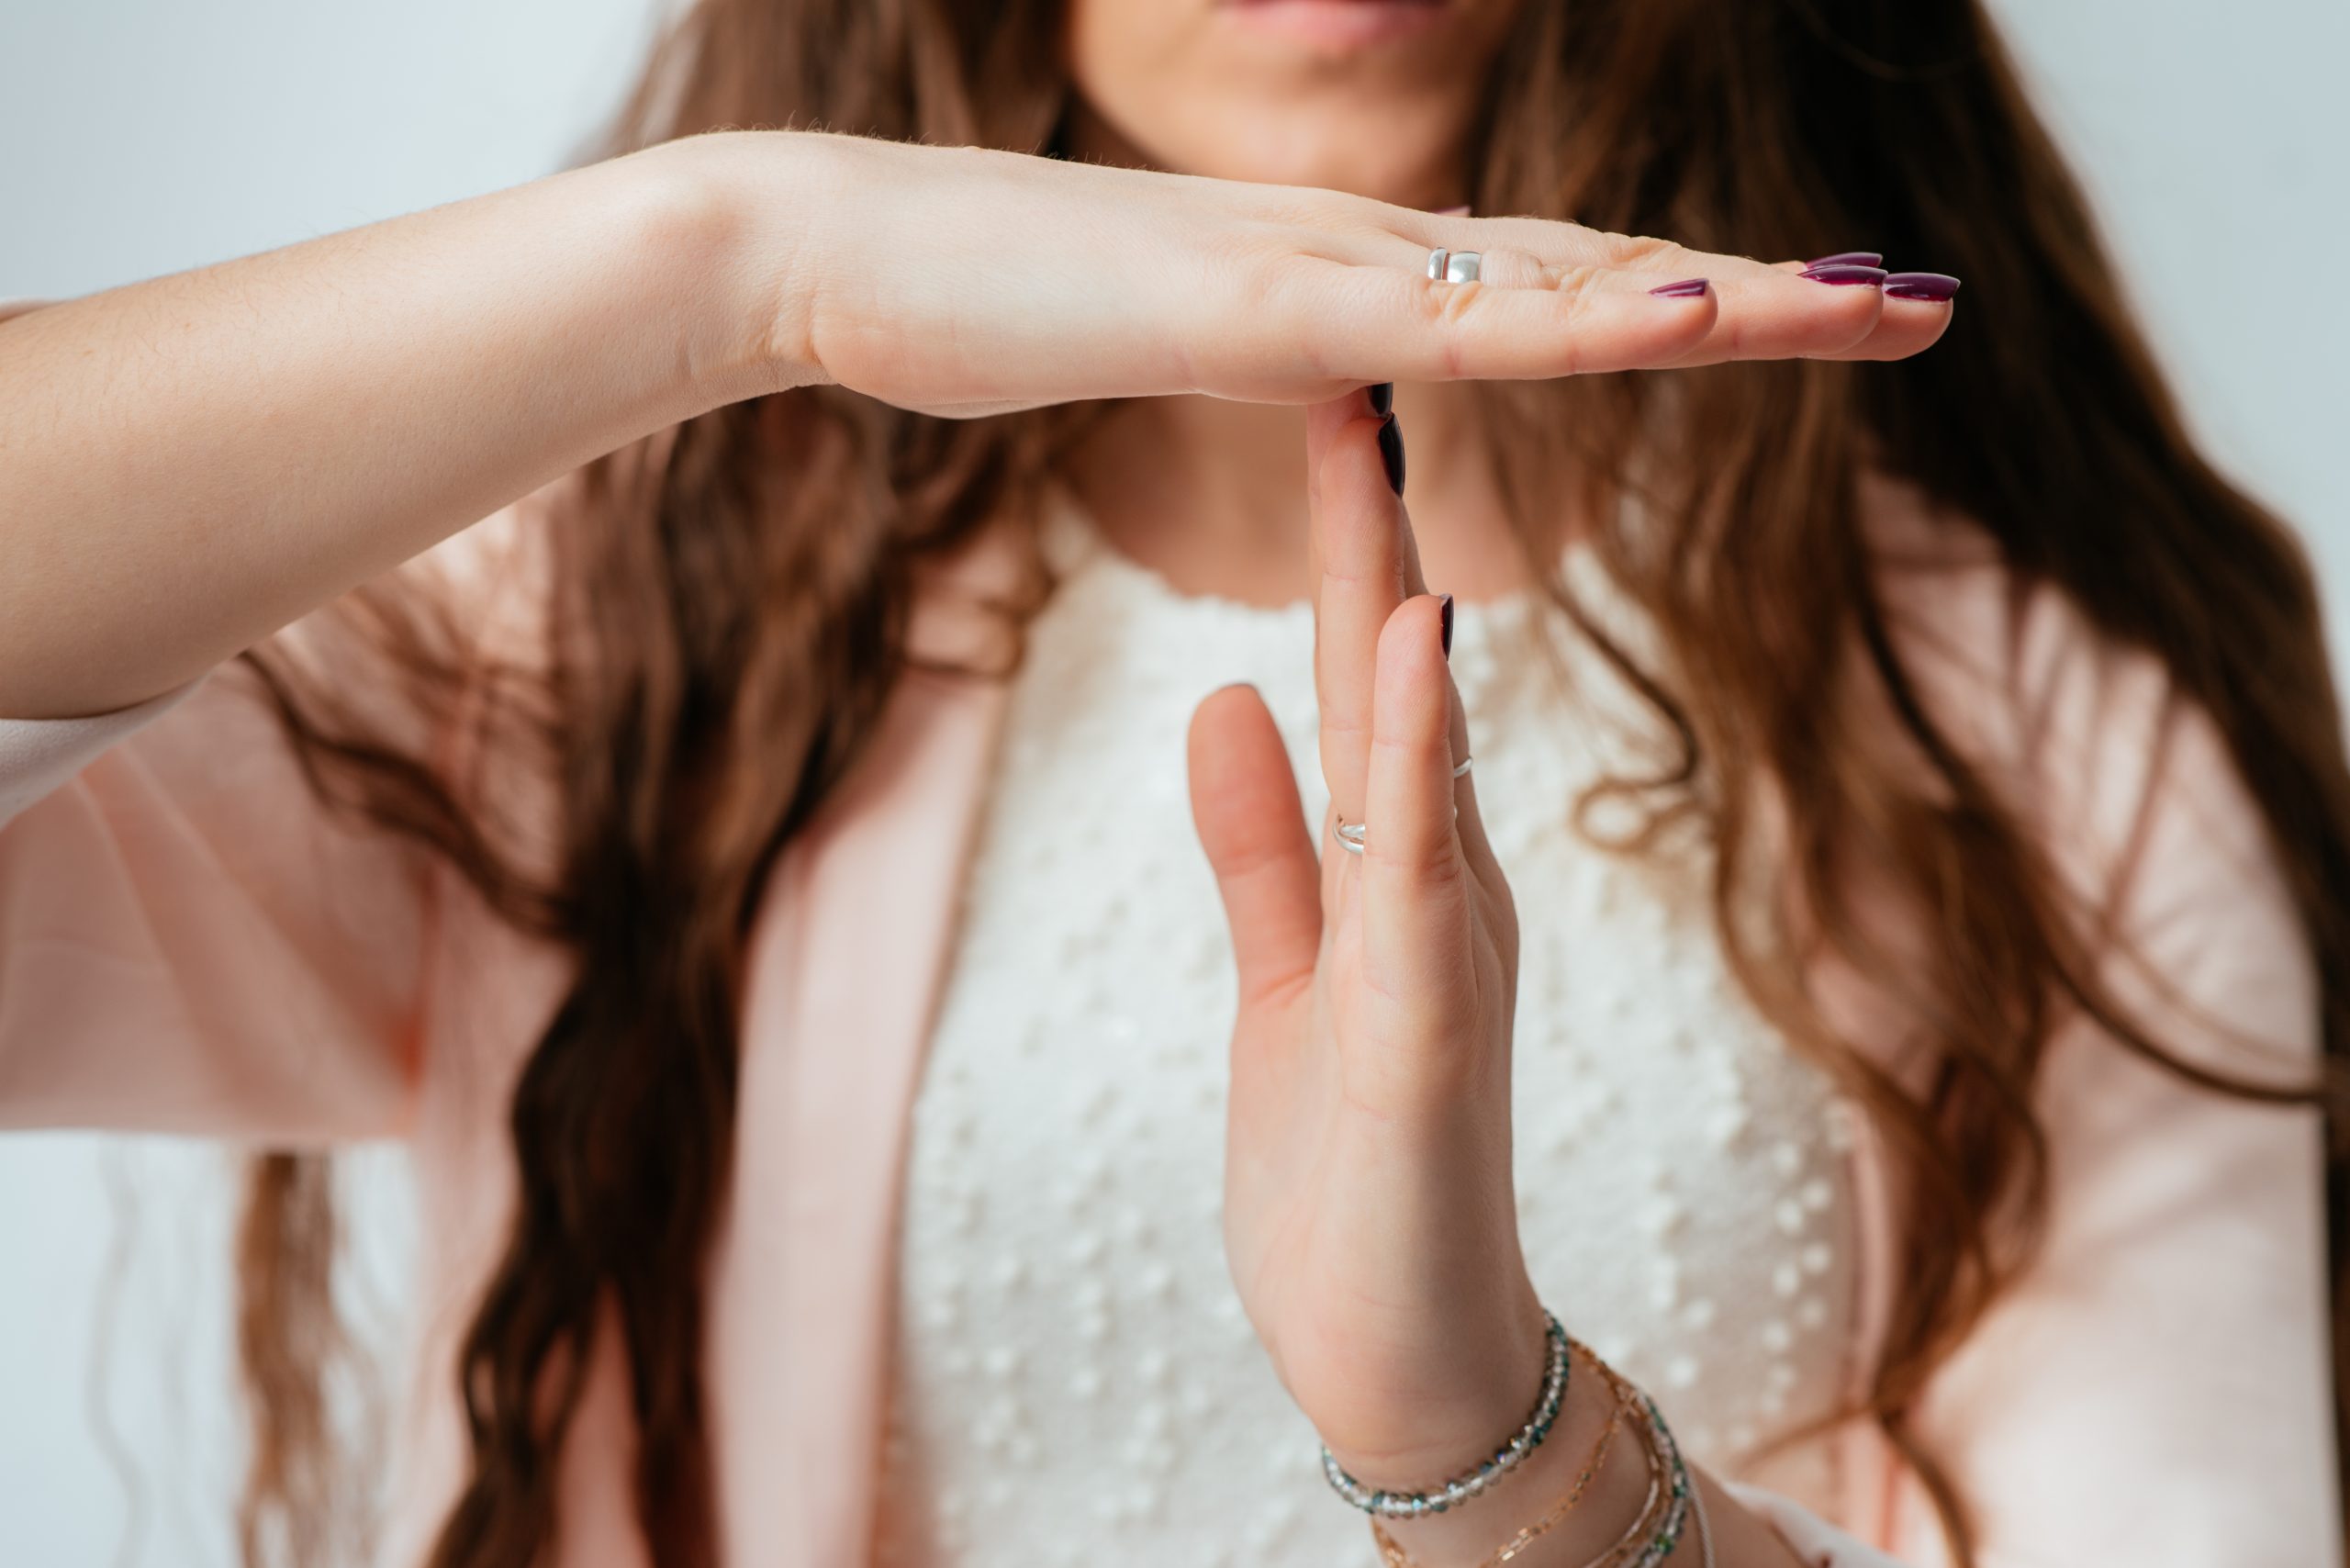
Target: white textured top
[{"x": 1074, "y": 1368}]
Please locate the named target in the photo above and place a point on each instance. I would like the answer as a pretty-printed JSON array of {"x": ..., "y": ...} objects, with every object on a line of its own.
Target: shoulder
[{"x": 2018, "y": 677}]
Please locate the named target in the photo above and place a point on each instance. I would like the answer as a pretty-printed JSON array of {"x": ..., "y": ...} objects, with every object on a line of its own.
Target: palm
[{"x": 1310, "y": 1178}]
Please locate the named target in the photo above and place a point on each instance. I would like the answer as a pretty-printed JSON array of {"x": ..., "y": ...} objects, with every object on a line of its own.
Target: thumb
[{"x": 1252, "y": 824}]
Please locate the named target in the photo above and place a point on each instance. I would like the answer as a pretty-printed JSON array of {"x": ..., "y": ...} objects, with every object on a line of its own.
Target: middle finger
[{"x": 1354, "y": 469}]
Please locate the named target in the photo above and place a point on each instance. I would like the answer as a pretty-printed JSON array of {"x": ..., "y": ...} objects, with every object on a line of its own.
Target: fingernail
[
  {"x": 1921, "y": 285},
  {"x": 1383, "y": 397},
  {"x": 1687, "y": 289},
  {"x": 1391, "y": 451},
  {"x": 1445, "y": 621},
  {"x": 1849, "y": 259},
  {"x": 1461, "y": 211},
  {"x": 1843, "y": 273}
]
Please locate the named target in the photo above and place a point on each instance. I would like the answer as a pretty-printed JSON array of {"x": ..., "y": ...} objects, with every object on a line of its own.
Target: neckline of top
[{"x": 1073, "y": 540}]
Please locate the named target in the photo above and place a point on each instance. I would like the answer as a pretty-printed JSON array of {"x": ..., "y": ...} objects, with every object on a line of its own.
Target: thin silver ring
[
  {"x": 1437, "y": 259},
  {"x": 1353, "y": 835}
]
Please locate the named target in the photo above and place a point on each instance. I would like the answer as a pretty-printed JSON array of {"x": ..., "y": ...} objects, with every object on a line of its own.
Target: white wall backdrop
[{"x": 143, "y": 135}]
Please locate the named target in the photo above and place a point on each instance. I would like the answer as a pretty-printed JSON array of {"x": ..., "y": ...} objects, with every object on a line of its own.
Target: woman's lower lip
[{"x": 1335, "y": 24}]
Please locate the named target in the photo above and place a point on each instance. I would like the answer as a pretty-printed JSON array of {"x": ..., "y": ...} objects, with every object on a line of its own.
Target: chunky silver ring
[{"x": 1454, "y": 266}]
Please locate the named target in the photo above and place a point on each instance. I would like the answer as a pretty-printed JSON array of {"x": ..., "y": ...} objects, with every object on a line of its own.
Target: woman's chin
[{"x": 1323, "y": 140}]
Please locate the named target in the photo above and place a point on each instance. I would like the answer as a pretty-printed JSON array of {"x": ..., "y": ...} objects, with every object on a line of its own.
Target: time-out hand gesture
[{"x": 1370, "y": 1216}]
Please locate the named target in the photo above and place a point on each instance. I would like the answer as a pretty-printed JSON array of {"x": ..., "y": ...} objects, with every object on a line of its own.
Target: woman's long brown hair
[{"x": 729, "y": 605}]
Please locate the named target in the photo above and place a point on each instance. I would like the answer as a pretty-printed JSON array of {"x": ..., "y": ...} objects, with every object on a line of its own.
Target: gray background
[{"x": 142, "y": 136}]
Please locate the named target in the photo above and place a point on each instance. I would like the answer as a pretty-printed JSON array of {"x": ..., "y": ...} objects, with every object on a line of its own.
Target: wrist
[
  {"x": 1473, "y": 1405},
  {"x": 1578, "y": 1493},
  {"x": 730, "y": 216}
]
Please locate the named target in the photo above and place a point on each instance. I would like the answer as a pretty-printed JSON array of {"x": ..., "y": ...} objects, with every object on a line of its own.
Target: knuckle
[
  {"x": 1642, "y": 251},
  {"x": 1275, "y": 990},
  {"x": 1417, "y": 748},
  {"x": 1579, "y": 283},
  {"x": 1254, "y": 283},
  {"x": 1359, "y": 217},
  {"x": 1456, "y": 303},
  {"x": 1446, "y": 313},
  {"x": 1432, "y": 874},
  {"x": 1252, "y": 857},
  {"x": 1513, "y": 266}
]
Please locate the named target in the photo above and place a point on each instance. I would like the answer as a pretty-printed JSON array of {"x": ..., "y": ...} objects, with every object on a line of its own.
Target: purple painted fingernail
[
  {"x": 1687, "y": 289},
  {"x": 1445, "y": 621},
  {"x": 1843, "y": 273},
  {"x": 1383, "y": 397},
  {"x": 1390, "y": 452},
  {"x": 1849, "y": 259},
  {"x": 1936, "y": 286}
]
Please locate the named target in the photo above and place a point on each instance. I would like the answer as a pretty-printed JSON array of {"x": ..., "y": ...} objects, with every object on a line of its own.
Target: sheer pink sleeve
[
  {"x": 189, "y": 940},
  {"x": 2156, "y": 1390}
]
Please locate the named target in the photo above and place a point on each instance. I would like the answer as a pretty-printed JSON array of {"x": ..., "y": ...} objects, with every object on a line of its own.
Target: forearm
[{"x": 190, "y": 463}]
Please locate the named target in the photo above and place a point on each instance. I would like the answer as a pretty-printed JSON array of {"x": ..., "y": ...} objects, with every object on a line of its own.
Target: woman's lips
[{"x": 1335, "y": 24}]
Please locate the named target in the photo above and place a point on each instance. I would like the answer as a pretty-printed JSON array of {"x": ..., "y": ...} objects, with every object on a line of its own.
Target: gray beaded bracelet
[
  {"x": 1672, "y": 1476},
  {"x": 1413, "y": 1505}
]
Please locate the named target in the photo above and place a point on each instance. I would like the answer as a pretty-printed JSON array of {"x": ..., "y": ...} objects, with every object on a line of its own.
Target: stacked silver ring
[
  {"x": 1351, "y": 836},
  {"x": 1414, "y": 1504},
  {"x": 1454, "y": 266}
]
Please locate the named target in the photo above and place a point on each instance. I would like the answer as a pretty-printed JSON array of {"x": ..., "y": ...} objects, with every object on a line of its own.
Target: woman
[{"x": 759, "y": 825}]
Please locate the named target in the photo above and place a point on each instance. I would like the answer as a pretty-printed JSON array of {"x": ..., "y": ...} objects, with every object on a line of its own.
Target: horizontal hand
[{"x": 967, "y": 281}]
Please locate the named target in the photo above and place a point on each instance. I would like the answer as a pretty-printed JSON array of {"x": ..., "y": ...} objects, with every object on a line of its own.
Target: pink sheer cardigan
[{"x": 190, "y": 942}]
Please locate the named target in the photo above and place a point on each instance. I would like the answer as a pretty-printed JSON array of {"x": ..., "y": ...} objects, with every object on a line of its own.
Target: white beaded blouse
[{"x": 1073, "y": 1368}]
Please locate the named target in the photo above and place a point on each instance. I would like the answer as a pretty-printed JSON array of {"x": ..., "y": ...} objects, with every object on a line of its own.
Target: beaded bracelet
[
  {"x": 1379, "y": 1503},
  {"x": 1670, "y": 1477},
  {"x": 1394, "y": 1555},
  {"x": 1654, "y": 1530}
]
